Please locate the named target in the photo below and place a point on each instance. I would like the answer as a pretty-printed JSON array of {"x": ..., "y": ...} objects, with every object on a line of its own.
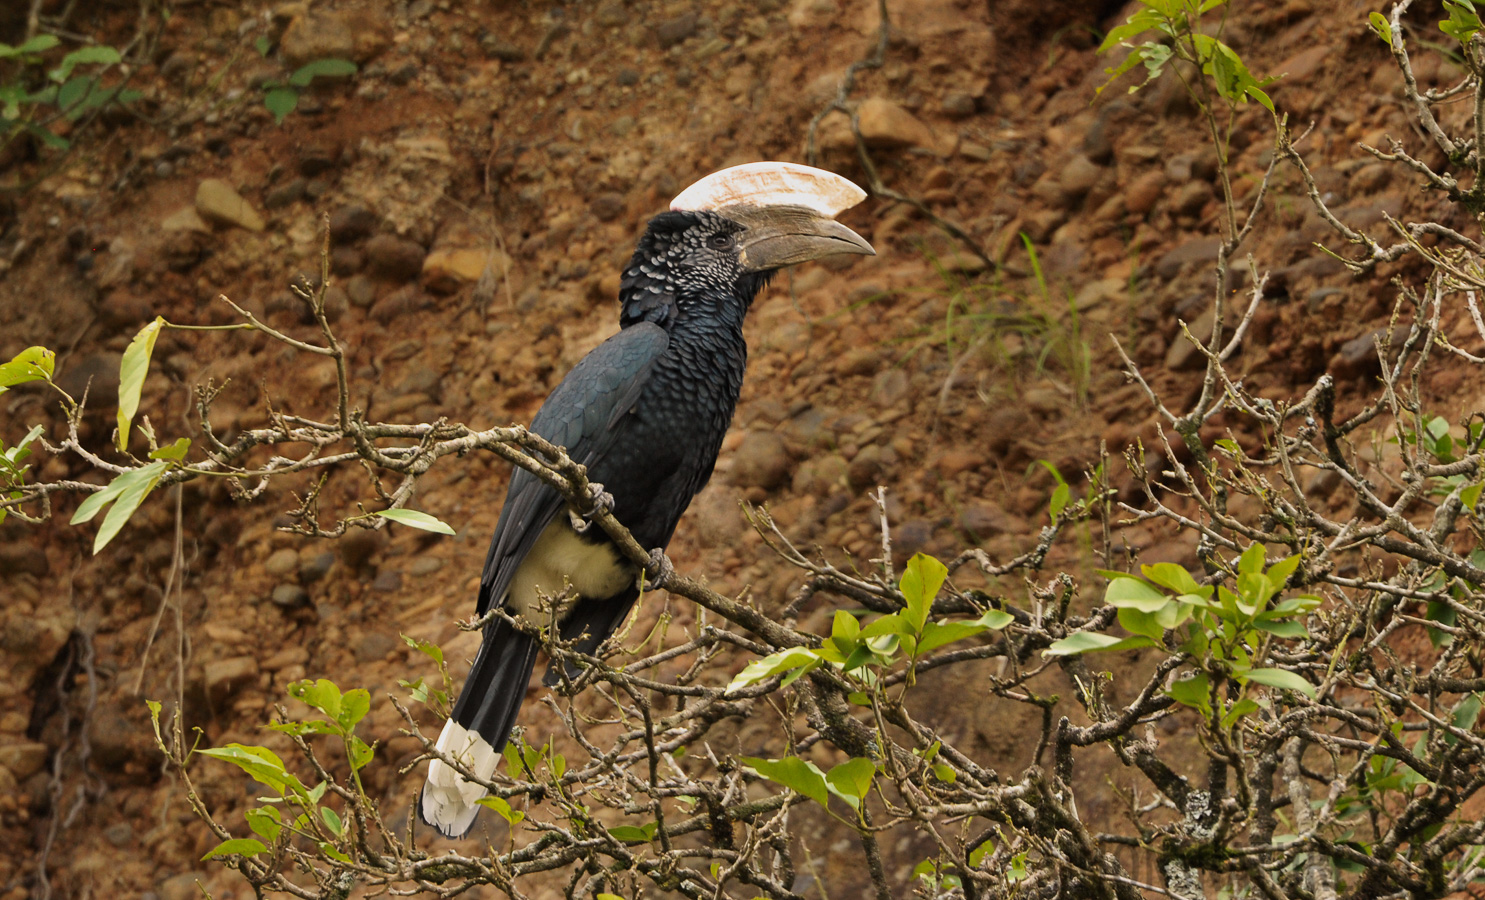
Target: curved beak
[{"x": 780, "y": 236}]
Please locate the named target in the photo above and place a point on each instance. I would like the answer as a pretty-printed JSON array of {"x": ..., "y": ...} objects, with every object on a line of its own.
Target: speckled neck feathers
[{"x": 686, "y": 269}]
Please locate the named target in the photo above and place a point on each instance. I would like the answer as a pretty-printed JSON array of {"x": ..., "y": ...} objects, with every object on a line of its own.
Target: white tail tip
[{"x": 450, "y": 803}]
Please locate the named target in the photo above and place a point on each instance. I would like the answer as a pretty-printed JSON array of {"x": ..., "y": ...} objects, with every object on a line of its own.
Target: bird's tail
[{"x": 476, "y": 732}]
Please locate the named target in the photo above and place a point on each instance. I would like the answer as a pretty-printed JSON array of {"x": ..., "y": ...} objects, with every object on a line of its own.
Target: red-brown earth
[{"x": 538, "y": 138}]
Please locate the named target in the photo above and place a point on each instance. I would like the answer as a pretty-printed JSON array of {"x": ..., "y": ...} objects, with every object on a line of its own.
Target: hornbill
[{"x": 645, "y": 412}]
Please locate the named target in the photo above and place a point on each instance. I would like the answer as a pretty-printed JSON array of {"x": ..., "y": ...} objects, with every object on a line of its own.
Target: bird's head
[{"x": 728, "y": 233}]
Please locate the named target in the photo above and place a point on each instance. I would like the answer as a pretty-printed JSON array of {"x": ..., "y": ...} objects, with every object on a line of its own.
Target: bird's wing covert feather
[{"x": 582, "y": 415}]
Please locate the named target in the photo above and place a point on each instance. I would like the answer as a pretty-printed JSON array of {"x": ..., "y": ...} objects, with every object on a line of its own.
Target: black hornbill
[{"x": 645, "y": 412}]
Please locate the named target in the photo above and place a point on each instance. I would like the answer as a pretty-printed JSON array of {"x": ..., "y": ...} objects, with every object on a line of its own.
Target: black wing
[{"x": 582, "y": 415}]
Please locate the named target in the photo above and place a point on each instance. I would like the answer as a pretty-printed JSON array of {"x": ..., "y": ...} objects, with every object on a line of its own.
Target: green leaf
[
  {"x": 154, "y": 708},
  {"x": 845, "y": 626},
  {"x": 1444, "y": 614},
  {"x": 889, "y": 624},
  {"x": 412, "y": 518},
  {"x": 1060, "y": 495},
  {"x": 801, "y": 671},
  {"x": 1088, "y": 641},
  {"x": 995, "y": 619},
  {"x": 174, "y": 452},
  {"x": 1299, "y": 603},
  {"x": 265, "y": 822},
  {"x": 978, "y": 854},
  {"x": 514, "y": 767},
  {"x": 315, "y": 726},
  {"x": 773, "y": 664},
  {"x": 281, "y": 101},
  {"x": 794, "y": 773},
  {"x": 1174, "y": 615},
  {"x": 331, "y": 851},
  {"x": 1467, "y": 712},
  {"x": 945, "y": 774},
  {"x": 920, "y": 583},
  {"x": 132, "y": 370},
  {"x": 329, "y": 68},
  {"x": 1280, "y": 678},
  {"x": 125, "y": 492},
  {"x": 1252, "y": 559},
  {"x": 332, "y": 820},
  {"x": 631, "y": 834},
  {"x": 359, "y": 752},
  {"x": 1135, "y": 25},
  {"x": 37, "y": 44},
  {"x": 1463, "y": 21},
  {"x": 259, "y": 762},
  {"x": 48, "y": 137},
  {"x": 84, "y": 56},
  {"x": 1291, "y": 630},
  {"x": 937, "y": 634},
  {"x": 262, "y": 43},
  {"x": 323, "y": 695},
  {"x": 503, "y": 808},
  {"x": 851, "y": 780},
  {"x": 427, "y": 648},
  {"x": 1173, "y": 577},
  {"x": 1129, "y": 592},
  {"x": 73, "y": 96},
  {"x": 238, "y": 846},
  {"x": 1239, "y": 709},
  {"x": 1281, "y": 570},
  {"x": 31, "y": 364},
  {"x": 1470, "y": 496},
  {"x": 1192, "y": 692},
  {"x": 1136, "y": 622},
  {"x": 354, "y": 705},
  {"x": 315, "y": 793}
]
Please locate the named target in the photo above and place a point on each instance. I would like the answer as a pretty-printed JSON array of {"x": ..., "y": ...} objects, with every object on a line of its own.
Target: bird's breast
[{"x": 562, "y": 558}]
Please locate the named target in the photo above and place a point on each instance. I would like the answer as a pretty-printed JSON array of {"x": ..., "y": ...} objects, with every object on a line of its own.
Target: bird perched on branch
[{"x": 645, "y": 412}]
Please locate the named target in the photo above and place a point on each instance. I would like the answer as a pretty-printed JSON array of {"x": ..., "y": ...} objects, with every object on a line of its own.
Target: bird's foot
[
  {"x": 603, "y": 502},
  {"x": 658, "y": 571}
]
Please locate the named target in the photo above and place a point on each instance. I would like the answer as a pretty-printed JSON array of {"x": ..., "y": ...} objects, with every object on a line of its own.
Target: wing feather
[{"x": 582, "y": 415}]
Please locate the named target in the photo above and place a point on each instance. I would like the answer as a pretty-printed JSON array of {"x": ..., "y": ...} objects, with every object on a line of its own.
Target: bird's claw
[
  {"x": 658, "y": 571},
  {"x": 602, "y": 501}
]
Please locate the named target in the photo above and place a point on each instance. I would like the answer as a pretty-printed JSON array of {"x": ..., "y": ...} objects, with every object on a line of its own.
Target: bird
[{"x": 645, "y": 412}]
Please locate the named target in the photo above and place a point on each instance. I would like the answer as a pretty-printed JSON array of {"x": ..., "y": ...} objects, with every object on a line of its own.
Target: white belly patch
[{"x": 561, "y": 558}]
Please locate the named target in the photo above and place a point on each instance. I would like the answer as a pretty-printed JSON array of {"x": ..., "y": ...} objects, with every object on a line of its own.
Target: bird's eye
[{"x": 720, "y": 241}]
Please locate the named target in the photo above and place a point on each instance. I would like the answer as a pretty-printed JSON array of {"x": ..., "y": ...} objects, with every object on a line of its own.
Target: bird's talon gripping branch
[
  {"x": 603, "y": 502},
  {"x": 658, "y": 571}
]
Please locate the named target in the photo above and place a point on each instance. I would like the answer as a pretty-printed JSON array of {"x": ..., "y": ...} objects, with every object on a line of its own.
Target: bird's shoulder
[{"x": 601, "y": 385}]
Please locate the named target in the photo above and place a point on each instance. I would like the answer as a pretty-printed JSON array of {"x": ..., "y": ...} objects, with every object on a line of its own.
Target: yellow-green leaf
[
  {"x": 1089, "y": 641},
  {"x": 794, "y": 773},
  {"x": 239, "y": 846},
  {"x": 174, "y": 452},
  {"x": 412, "y": 518},
  {"x": 1281, "y": 678},
  {"x": 851, "y": 780},
  {"x": 132, "y": 369},
  {"x": 31, "y": 364},
  {"x": 125, "y": 492}
]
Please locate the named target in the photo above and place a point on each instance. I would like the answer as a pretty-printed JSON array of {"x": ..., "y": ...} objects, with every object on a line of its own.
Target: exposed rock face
[{"x": 508, "y": 145}]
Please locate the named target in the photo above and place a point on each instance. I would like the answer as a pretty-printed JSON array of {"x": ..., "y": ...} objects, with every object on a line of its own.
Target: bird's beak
[{"x": 780, "y": 236}]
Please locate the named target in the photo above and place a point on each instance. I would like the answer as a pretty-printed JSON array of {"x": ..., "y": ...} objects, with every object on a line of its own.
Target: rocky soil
[{"x": 485, "y": 175}]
